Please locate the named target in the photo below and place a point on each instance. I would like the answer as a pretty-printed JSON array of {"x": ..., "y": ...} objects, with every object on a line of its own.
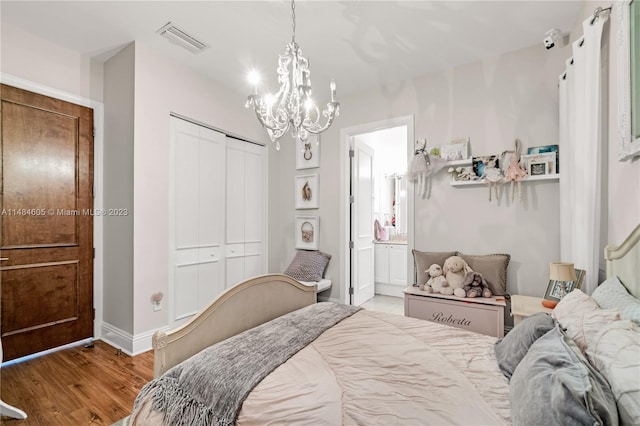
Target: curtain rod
[{"x": 597, "y": 12}]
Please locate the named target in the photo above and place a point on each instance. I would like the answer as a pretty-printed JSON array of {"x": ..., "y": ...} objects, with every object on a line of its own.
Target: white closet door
[
  {"x": 196, "y": 237},
  {"x": 362, "y": 224},
  {"x": 245, "y": 209}
]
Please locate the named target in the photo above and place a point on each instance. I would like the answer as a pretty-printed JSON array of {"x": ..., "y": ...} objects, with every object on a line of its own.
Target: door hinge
[
  {"x": 94, "y": 252},
  {"x": 351, "y": 290},
  {"x": 93, "y": 192},
  {"x": 351, "y": 244},
  {"x": 94, "y": 132},
  {"x": 94, "y": 313},
  {"x": 351, "y": 199},
  {"x": 352, "y": 153}
]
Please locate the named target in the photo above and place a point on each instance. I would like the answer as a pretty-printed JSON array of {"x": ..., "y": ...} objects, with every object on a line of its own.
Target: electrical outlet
[{"x": 157, "y": 306}]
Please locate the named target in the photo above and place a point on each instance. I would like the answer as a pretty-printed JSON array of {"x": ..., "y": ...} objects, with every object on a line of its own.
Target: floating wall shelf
[{"x": 551, "y": 177}]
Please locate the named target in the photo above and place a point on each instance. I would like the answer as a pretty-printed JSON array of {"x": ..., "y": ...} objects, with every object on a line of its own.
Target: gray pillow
[
  {"x": 493, "y": 268},
  {"x": 511, "y": 348},
  {"x": 422, "y": 260},
  {"x": 555, "y": 385},
  {"x": 308, "y": 265},
  {"x": 612, "y": 294}
]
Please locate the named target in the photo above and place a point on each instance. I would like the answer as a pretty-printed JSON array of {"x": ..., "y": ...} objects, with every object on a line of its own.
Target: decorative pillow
[
  {"x": 422, "y": 260},
  {"x": 580, "y": 315},
  {"x": 554, "y": 384},
  {"x": 493, "y": 268},
  {"x": 614, "y": 352},
  {"x": 308, "y": 265},
  {"x": 612, "y": 294},
  {"x": 511, "y": 348}
]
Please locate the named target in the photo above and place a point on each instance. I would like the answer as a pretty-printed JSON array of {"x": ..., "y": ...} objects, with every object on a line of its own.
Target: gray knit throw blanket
[{"x": 210, "y": 387}]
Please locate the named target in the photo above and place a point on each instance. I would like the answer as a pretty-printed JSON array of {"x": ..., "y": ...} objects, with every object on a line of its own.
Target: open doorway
[{"x": 376, "y": 189}]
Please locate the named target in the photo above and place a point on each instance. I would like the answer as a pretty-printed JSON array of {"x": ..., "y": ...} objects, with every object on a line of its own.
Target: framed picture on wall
[
  {"x": 308, "y": 153},
  {"x": 307, "y": 191},
  {"x": 307, "y": 232}
]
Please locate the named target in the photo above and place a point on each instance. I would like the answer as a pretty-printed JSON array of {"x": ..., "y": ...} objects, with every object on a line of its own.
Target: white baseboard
[
  {"x": 328, "y": 299},
  {"x": 128, "y": 343},
  {"x": 390, "y": 290}
]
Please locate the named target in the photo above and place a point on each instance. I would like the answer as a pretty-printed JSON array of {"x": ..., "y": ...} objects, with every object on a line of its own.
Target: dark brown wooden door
[{"x": 46, "y": 234}]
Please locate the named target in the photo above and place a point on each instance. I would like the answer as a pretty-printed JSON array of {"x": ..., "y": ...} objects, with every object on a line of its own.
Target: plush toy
[
  {"x": 455, "y": 270},
  {"x": 513, "y": 169},
  {"x": 475, "y": 285},
  {"x": 492, "y": 176},
  {"x": 436, "y": 283}
]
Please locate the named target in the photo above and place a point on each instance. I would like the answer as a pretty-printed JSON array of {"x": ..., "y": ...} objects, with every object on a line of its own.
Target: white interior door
[
  {"x": 246, "y": 215},
  {"x": 362, "y": 223},
  {"x": 197, "y": 231}
]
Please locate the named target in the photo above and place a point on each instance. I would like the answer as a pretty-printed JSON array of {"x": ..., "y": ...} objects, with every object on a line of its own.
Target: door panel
[
  {"x": 47, "y": 222},
  {"x": 362, "y": 224},
  {"x": 198, "y": 167}
]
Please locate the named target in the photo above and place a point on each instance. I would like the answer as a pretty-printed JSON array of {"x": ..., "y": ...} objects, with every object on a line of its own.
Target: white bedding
[{"x": 376, "y": 368}]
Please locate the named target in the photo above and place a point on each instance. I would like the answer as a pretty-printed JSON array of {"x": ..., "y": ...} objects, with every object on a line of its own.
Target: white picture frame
[
  {"x": 308, "y": 153},
  {"x": 457, "y": 149},
  {"x": 543, "y": 163},
  {"x": 629, "y": 146},
  {"x": 307, "y": 232},
  {"x": 307, "y": 192}
]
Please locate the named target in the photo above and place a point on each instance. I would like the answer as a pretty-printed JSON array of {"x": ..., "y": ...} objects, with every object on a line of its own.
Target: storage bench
[{"x": 478, "y": 314}]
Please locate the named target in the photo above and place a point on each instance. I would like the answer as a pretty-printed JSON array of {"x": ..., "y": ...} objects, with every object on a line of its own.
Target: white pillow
[
  {"x": 614, "y": 352},
  {"x": 580, "y": 315},
  {"x": 612, "y": 294}
]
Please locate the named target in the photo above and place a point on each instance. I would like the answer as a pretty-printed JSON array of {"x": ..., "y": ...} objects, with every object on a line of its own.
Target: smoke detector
[{"x": 177, "y": 36}]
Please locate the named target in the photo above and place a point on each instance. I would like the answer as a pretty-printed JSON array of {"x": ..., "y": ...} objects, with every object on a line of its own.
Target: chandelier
[{"x": 293, "y": 105}]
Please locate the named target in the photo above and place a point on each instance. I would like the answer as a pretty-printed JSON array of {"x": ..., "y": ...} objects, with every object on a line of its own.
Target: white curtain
[{"x": 581, "y": 121}]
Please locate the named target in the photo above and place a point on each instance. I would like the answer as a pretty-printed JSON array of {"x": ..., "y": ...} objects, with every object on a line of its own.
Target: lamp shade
[{"x": 562, "y": 271}]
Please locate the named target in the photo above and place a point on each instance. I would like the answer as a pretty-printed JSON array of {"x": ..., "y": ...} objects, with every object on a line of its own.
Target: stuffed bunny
[
  {"x": 436, "y": 283},
  {"x": 455, "y": 270},
  {"x": 475, "y": 285}
]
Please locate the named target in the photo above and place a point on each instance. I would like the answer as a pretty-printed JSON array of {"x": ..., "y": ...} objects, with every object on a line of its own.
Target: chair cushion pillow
[{"x": 308, "y": 265}]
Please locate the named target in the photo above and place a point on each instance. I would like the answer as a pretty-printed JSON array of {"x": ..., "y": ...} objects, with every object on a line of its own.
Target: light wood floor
[{"x": 77, "y": 386}]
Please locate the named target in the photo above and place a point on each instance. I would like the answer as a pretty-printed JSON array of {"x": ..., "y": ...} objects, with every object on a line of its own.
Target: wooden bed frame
[
  {"x": 623, "y": 261},
  {"x": 261, "y": 299},
  {"x": 241, "y": 307}
]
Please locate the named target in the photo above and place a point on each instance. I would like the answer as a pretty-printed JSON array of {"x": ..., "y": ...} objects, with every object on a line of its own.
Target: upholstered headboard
[{"x": 623, "y": 261}]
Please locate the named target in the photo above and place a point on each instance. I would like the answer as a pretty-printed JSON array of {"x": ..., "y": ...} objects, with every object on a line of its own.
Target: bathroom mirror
[{"x": 628, "y": 48}]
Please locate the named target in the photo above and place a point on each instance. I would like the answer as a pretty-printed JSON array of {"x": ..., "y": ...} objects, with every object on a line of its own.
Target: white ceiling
[{"x": 361, "y": 44}]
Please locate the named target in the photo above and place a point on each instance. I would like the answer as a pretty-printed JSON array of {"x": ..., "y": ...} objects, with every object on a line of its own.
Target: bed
[{"x": 347, "y": 366}]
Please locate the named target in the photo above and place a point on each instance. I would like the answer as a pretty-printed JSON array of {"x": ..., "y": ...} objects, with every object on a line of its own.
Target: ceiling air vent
[{"x": 176, "y": 36}]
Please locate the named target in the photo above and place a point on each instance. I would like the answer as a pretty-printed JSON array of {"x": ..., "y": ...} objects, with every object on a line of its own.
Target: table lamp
[{"x": 563, "y": 273}]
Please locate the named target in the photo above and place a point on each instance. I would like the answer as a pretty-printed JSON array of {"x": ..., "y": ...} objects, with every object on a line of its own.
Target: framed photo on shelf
[
  {"x": 308, "y": 153},
  {"x": 544, "y": 150},
  {"x": 458, "y": 149},
  {"x": 307, "y": 191},
  {"x": 307, "y": 232},
  {"x": 555, "y": 290},
  {"x": 540, "y": 164},
  {"x": 479, "y": 163}
]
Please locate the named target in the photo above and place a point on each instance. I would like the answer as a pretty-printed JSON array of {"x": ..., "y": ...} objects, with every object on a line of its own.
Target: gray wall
[
  {"x": 493, "y": 102},
  {"x": 118, "y": 189}
]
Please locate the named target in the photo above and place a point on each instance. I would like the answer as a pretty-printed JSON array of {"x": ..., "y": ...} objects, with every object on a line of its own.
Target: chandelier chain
[{"x": 293, "y": 19}]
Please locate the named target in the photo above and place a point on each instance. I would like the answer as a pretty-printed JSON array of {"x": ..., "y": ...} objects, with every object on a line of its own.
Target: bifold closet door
[
  {"x": 197, "y": 232},
  {"x": 246, "y": 188}
]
